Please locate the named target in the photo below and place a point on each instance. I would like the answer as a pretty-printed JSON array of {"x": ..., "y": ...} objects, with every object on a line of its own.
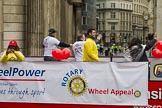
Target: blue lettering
[
  {"x": 42, "y": 72},
  {"x": 10, "y": 70},
  {"x": 1, "y": 72},
  {"x": 15, "y": 70},
  {"x": 21, "y": 73},
  {"x": 6, "y": 72},
  {"x": 68, "y": 74},
  {"x": 76, "y": 71},
  {"x": 63, "y": 84},
  {"x": 71, "y": 73},
  {"x": 81, "y": 71},
  {"x": 37, "y": 73},
  {"x": 29, "y": 72},
  {"x": 65, "y": 79}
]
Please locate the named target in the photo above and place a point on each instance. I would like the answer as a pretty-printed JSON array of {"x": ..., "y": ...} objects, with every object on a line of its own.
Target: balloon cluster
[
  {"x": 61, "y": 54},
  {"x": 157, "y": 52}
]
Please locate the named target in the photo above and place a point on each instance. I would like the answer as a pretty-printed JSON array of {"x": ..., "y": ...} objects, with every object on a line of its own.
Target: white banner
[{"x": 102, "y": 83}]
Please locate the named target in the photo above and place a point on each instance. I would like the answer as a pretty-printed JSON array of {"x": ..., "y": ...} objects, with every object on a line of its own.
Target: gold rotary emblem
[
  {"x": 137, "y": 93},
  {"x": 77, "y": 85}
]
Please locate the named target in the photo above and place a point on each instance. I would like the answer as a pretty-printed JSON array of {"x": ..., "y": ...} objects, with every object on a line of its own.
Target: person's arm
[
  {"x": 151, "y": 43},
  {"x": 98, "y": 41},
  {"x": 62, "y": 44},
  {"x": 4, "y": 57},
  {"x": 19, "y": 55}
]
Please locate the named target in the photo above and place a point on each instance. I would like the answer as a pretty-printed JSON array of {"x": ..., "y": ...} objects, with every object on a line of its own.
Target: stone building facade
[
  {"x": 158, "y": 18},
  {"x": 140, "y": 24},
  {"x": 12, "y": 22},
  {"x": 88, "y": 15},
  {"x": 28, "y": 21},
  {"x": 151, "y": 16},
  {"x": 121, "y": 20},
  {"x": 115, "y": 20}
]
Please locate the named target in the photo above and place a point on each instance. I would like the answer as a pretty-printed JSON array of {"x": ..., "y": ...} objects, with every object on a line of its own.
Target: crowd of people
[{"x": 85, "y": 49}]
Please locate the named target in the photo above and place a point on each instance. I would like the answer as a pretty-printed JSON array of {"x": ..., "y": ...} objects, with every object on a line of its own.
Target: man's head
[
  {"x": 81, "y": 37},
  {"x": 52, "y": 31},
  {"x": 91, "y": 33}
]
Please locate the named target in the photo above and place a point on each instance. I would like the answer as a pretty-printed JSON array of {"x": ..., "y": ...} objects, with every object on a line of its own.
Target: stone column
[
  {"x": 69, "y": 26},
  {"x": 78, "y": 19},
  {"x": 35, "y": 28},
  {"x": 159, "y": 19},
  {"x": 66, "y": 20},
  {"x": 1, "y": 26},
  {"x": 58, "y": 15},
  {"x": 52, "y": 16},
  {"x": 13, "y": 22}
]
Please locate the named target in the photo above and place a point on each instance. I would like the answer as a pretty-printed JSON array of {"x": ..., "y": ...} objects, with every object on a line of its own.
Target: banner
[{"x": 104, "y": 83}]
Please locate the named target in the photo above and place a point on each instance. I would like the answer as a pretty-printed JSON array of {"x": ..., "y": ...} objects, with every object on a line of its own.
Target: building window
[
  {"x": 130, "y": 16},
  {"x": 127, "y": 26},
  {"x": 99, "y": 26},
  {"x": 103, "y": 5},
  {"x": 121, "y": 26},
  {"x": 84, "y": 20},
  {"x": 112, "y": 26},
  {"x": 99, "y": 15},
  {"x": 124, "y": 26},
  {"x": 112, "y": 5},
  {"x": 121, "y": 16},
  {"x": 126, "y": 16},
  {"x": 113, "y": 15},
  {"x": 85, "y": 6},
  {"x": 134, "y": 20},
  {"x": 98, "y": 6},
  {"x": 103, "y": 15},
  {"x": 103, "y": 25}
]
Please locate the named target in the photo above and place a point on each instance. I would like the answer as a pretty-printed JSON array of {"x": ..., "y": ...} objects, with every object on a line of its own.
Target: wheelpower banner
[{"x": 101, "y": 83}]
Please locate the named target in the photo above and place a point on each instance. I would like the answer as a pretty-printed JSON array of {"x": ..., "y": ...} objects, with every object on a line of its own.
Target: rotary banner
[{"x": 103, "y": 83}]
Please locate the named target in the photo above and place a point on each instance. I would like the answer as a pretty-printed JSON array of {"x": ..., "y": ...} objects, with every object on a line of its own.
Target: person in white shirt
[
  {"x": 78, "y": 47},
  {"x": 50, "y": 43}
]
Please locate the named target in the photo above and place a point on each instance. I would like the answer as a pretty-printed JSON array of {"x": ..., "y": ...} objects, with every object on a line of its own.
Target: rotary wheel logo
[
  {"x": 77, "y": 85},
  {"x": 137, "y": 93}
]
